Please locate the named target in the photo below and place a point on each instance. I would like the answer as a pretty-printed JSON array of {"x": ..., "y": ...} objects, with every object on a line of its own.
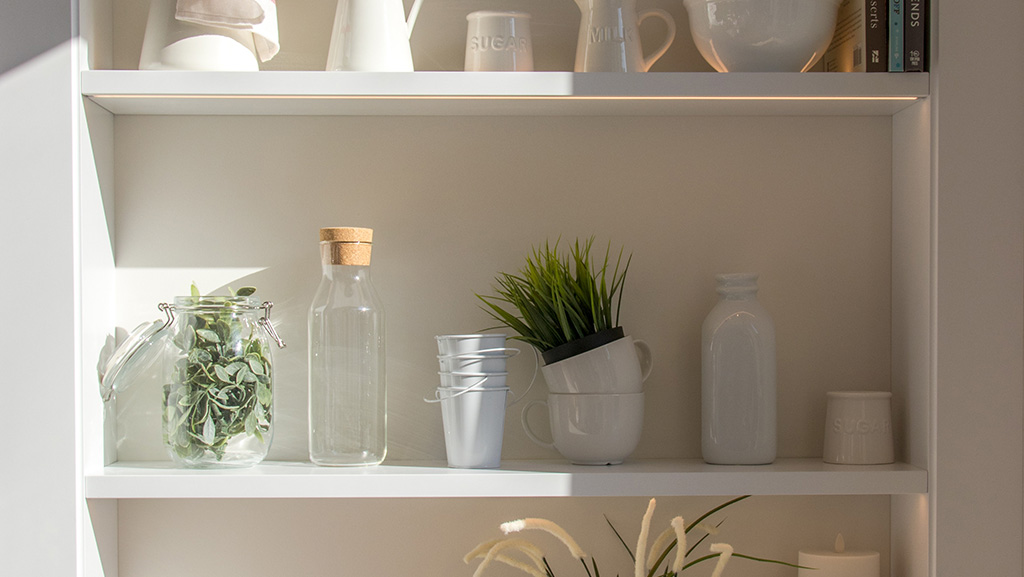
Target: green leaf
[
  {"x": 189, "y": 338},
  {"x": 208, "y": 335},
  {"x": 250, "y": 424},
  {"x": 245, "y": 291},
  {"x": 195, "y": 291},
  {"x": 263, "y": 394},
  {"x": 209, "y": 432},
  {"x": 222, "y": 373},
  {"x": 255, "y": 364},
  {"x": 621, "y": 540}
]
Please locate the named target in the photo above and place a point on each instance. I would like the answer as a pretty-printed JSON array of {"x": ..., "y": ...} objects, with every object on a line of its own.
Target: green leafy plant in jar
[{"x": 218, "y": 400}]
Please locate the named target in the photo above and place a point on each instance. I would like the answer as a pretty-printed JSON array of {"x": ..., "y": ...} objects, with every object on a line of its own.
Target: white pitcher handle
[
  {"x": 669, "y": 38},
  {"x": 646, "y": 358},
  {"x": 414, "y": 13},
  {"x": 526, "y": 425}
]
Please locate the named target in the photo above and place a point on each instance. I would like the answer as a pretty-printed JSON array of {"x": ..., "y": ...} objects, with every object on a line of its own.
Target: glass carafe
[{"x": 347, "y": 394}]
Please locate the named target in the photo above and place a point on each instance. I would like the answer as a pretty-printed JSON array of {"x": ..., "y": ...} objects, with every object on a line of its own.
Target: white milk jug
[
  {"x": 609, "y": 39},
  {"x": 372, "y": 35}
]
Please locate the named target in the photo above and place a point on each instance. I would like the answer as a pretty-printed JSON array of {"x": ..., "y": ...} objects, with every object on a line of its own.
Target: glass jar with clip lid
[{"x": 218, "y": 377}]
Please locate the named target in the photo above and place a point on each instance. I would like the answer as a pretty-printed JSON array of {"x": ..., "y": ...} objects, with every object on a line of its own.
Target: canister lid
[{"x": 348, "y": 234}]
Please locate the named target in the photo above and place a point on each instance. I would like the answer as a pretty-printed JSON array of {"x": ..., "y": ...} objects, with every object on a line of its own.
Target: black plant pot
[{"x": 579, "y": 346}]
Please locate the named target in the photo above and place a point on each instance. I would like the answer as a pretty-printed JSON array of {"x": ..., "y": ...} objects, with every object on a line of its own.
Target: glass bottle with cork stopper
[{"x": 347, "y": 391}]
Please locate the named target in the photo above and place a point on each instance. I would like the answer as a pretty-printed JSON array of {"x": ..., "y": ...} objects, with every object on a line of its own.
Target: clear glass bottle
[
  {"x": 347, "y": 391},
  {"x": 738, "y": 376}
]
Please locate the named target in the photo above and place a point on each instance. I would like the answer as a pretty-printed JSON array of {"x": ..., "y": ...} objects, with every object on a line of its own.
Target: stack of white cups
[
  {"x": 595, "y": 402},
  {"x": 473, "y": 395}
]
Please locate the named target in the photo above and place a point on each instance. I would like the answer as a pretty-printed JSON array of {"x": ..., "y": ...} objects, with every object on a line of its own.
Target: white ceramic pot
[
  {"x": 591, "y": 429},
  {"x": 620, "y": 366},
  {"x": 762, "y": 35}
]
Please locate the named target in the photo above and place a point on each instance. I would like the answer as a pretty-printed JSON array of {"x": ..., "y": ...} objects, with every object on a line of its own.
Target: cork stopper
[
  {"x": 346, "y": 234},
  {"x": 346, "y": 245}
]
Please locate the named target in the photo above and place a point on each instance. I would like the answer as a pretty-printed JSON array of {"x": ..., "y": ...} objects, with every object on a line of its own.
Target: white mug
[
  {"x": 498, "y": 41},
  {"x": 858, "y": 428},
  {"x": 620, "y": 366},
  {"x": 591, "y": 429}
]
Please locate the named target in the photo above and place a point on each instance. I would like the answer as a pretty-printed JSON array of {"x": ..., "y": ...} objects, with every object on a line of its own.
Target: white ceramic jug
[
  {"x": 372, "y": 35},
  {"x": 609, "y": 39}
]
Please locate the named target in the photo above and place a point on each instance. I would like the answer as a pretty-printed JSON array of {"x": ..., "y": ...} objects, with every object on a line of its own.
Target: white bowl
[{"x": 762, "y": 35}]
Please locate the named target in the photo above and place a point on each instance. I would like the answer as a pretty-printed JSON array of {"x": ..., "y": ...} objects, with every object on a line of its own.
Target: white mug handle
[
  {"x": 526, "y": 425},
  {"x": 669, "y": 37},
  {"x": 646, "y": 358}
]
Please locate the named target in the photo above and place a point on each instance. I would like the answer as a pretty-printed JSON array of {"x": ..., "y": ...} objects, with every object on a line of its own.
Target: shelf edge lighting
[{"x": 502, "y": 97}]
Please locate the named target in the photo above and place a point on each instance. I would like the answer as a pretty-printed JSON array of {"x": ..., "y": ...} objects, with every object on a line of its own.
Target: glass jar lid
[{"x": 134, "y": 351}]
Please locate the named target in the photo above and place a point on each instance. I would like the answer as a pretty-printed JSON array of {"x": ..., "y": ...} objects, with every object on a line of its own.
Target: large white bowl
[{"x": 762, "y": 35}]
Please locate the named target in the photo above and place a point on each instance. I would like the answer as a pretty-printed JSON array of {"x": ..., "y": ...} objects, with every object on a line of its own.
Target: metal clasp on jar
[{"x": 263, "y": 322}]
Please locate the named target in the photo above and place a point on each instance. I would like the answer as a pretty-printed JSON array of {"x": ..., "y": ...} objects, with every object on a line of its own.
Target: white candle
[{"x": 839, "y": 563}]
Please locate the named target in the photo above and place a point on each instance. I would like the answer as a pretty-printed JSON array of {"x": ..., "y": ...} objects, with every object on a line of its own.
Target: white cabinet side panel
[
  {"x": 980, "y": 279},
  {"x": 39, "y": 474}
]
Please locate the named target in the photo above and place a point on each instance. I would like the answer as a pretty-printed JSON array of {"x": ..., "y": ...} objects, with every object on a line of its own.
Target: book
[
  {"x": 860, "y": 41},
  {"x": 896, "y": 35},
  {"x": 877, "y": 36},
  {"x": 915, "y": 37}
]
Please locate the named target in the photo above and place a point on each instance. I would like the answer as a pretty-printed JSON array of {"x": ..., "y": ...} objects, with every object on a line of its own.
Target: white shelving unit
[
  {"x": 900, "y": 97},
  {"x": 651, "y": 478},
  {"x": 542, "y": 93},
  {"x": 501, "y": 94},
  {"x": 947, "y": 362}
]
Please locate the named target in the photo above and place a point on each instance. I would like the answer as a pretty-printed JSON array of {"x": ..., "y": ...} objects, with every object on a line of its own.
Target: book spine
[
  {"x": 914, "y": 35},
  {"x": 896, "y": 35},
  {"x": 876, "y": 38}
]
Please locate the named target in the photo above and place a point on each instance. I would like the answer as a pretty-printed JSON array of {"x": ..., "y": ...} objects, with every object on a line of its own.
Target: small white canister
[
  {"x": 499, "y": 41},
  {"x": 858, "y": 428}
]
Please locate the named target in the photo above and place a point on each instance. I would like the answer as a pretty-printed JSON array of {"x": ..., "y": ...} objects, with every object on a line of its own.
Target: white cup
[
  {"x": 474, "y": 423},
  {"x": 498, "y": 41},
  {"x": 858, "y": 428},
  {"x": 591, "y": 429},
  {"x": 620, "y": 366}
]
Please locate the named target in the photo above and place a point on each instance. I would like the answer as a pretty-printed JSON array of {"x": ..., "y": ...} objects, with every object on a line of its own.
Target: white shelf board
[
  {"x": 501, "y": 93},
  {"x": 161, "y": 480}
]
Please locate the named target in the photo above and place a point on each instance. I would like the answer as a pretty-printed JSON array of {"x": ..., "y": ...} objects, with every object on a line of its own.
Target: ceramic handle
[
  {"x": 669, "y": 38},
  {"x": 643, "y": 351},
  {"x": 526, "y": 425}
]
